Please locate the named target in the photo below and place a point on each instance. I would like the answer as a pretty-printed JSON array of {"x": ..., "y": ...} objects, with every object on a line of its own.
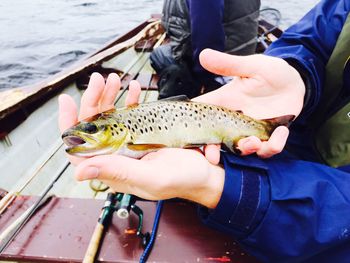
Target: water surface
[{"x": 39, "y": 37}]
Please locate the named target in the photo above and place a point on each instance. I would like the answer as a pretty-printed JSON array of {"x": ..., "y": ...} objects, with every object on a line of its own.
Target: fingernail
[{"x": 91, "y": 172}]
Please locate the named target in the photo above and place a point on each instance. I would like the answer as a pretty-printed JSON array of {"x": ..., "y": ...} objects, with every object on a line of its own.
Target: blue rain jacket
[{"x": 290, "y": 208}]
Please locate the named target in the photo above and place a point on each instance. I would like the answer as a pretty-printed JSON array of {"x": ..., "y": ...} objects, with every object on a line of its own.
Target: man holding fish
[{"x": 291, "y": 207}]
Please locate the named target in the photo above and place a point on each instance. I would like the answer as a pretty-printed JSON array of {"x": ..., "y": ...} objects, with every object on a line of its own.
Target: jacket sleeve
[
  {"x": 207, "y": 31},
  {"x": 308, "y": 44},
  {"x": 281, "y": 209}
]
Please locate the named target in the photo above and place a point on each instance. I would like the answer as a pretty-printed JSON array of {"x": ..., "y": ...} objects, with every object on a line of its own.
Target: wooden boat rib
[{"x": 31, "y": 148}]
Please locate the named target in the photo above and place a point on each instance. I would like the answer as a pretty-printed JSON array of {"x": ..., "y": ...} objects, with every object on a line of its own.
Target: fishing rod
[
  {"x": 11, "y": 228},
  {"x": 7, "y": 241},
  {"x": 102, "y": 223},
  {"x": 122, "y": 204}
]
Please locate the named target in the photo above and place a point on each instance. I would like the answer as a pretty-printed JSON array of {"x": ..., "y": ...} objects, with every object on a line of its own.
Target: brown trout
[{"x": 136, "y": 130}]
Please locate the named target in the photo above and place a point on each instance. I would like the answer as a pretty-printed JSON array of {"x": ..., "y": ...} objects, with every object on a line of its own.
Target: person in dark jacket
[
  {"x": 193, "y": 25},
  {"x": 291, "y": 207}
]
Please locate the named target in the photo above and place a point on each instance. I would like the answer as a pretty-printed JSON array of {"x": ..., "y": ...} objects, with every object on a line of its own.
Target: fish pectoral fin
[
  {"x": 194, "y": 145},
  {"x": 232, "y": 145},
  {"x": 145, "y": 146},
  {"x": 134, "y": 105}
]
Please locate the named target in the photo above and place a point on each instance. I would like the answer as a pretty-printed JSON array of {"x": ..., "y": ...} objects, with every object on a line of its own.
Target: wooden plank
[
  {"x": 32, "y": 143},
  {"x": 61, "y": 230}
]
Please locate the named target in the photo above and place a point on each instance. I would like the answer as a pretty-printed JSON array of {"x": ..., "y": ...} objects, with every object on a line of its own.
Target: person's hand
[
  {"x": 165, "y": 174},
  {"x": 98, "y": 97},
  {"x": 263, "y": 87}
]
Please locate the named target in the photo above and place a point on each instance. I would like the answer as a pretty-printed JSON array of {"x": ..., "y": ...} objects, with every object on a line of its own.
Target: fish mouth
[
  {"x": 79, "y": 144},
  {"x": 73, "y": 140}
]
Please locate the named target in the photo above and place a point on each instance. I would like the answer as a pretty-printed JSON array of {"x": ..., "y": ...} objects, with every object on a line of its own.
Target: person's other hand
[
  {"x": 98, "y": 97},
  {"x": 167, "y": 173},
  {"x": 263, "y": 87}
]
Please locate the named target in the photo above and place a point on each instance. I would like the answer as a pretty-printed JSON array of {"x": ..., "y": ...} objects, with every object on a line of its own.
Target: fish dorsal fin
[
  {"x": 176, "y": 98},
  {"x": 284, "y": 120},
  {"x": 145, "y": 147}
]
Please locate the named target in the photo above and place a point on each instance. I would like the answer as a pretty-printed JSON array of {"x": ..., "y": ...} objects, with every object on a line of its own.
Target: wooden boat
[{"x": 32, "y": 154}]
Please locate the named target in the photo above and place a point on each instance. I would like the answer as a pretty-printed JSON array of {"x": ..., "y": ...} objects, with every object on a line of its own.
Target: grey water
[{"x": 39, "y": 38}]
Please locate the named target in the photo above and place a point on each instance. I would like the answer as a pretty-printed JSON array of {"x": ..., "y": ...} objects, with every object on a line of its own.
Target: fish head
[{"x": 101, "y": 134}]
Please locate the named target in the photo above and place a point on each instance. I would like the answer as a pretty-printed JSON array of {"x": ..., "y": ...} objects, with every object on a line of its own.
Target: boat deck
[{"x": 54, "y": 234}]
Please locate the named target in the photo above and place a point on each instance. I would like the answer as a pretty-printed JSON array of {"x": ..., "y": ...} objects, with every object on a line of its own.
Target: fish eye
[{"x": 90, "y": 128}]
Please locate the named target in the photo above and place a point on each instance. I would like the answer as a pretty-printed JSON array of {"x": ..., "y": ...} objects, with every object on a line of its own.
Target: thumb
[
  {"x": 112, "y": 167},
  {"x": 229, "y": 65}
]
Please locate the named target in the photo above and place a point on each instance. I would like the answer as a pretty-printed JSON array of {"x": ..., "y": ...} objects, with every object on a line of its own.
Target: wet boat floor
[{"x": 60, "y": 232}]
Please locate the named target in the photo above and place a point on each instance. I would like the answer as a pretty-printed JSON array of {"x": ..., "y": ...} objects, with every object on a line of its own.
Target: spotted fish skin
[{"x": 136, "y": 130}]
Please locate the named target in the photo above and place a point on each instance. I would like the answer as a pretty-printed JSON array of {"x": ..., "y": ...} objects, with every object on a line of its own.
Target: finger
[
  {"x": 67, "y": 112},
  {"x": 230, "y": 65},
  {"x": 91, "y": 97},
  {"x": 133, "y": 94},
  {"x": 275, "y": 144},
  {"x": 67, "y": 117},
  {"x": 212, "y": 153},
  {"x": 110, "y": 91},
  {"x": 249, "y": 145}
]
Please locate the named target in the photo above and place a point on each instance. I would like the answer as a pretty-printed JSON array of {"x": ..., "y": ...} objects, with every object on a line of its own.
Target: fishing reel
[{"x": 125, "y": 204}]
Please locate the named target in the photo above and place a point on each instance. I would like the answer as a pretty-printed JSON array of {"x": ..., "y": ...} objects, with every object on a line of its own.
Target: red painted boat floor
[{"x": 60, "y": 232}]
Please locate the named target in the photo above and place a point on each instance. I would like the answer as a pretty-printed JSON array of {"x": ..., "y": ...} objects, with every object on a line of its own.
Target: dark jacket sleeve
[
  {"x": 308, "y": 44},
  {"x": 207, "y": 30},
  {"x": 284, "y": 210}
]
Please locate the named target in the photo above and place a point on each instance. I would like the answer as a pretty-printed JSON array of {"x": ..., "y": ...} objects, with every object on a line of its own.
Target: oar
[{"x": 102, "y": 222}]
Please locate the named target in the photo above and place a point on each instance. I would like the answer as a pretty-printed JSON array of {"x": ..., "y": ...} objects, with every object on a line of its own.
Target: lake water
[{"x": 39, "y": 37}]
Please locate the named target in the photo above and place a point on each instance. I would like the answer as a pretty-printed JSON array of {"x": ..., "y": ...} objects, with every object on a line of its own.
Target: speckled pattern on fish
[{"x": 136, "y": 130}]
